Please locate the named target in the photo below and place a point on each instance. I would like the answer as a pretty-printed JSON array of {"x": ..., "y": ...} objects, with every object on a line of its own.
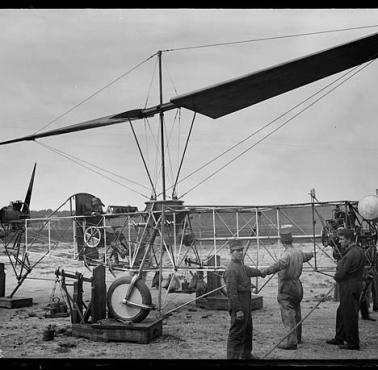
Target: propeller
[{"x": 26, "y": 206}]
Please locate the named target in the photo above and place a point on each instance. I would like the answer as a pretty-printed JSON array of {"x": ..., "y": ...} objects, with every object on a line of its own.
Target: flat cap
[
  {"x": 235, "y": 245},
  {"x": 286, "y": 236}
]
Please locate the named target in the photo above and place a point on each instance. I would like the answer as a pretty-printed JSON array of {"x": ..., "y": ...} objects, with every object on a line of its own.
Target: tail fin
[{"x": 25, "y": 207}]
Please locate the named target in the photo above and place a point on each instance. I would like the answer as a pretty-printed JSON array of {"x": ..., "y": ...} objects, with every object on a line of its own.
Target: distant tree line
[{"x": 43, "y": 213}]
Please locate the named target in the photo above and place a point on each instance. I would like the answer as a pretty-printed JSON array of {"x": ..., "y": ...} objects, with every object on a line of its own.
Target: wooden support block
[
  {"x": 98, "y": 309},
  {"x": 2, "y": 280},
  {"x": 56, "y": 315},
  {"x": 7, "y": 302},
  {"x": 111, "y": 330},
  {"x": 221, "y": 302}
]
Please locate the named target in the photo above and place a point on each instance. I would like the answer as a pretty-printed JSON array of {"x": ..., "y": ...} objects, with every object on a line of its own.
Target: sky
[{"x": 57, "y": 68}]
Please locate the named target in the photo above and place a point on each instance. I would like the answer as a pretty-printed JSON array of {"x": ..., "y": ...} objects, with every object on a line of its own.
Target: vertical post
[
  {"x": 74, "y": 238},
  {"x": 312, "y": 194},
  {"x": 162, "y": 125},
  {"x": 278, "y": 222},
  {"x": 26, "y": 235},
  {"x": 237, "y": 223},
  {"x": 49, "y": 231},
  {"x": 200, "y": 228},
  {"x": 98, "y": 298},
  {"x": 129, "y": 236},
  {"x": 215, "y": 239},
  {"x": 161, "y": 257},
  {"x": 104, "y": 225},
  {"x": 258, "y": 244},
  {"x": 174, "y": 238}
]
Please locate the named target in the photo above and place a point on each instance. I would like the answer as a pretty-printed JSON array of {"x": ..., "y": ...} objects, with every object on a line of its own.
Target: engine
[{"x": 12, "y": 213}]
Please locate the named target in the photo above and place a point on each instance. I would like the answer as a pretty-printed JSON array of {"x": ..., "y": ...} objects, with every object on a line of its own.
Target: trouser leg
[
  {"x": 288, "y": 319},
  {"x": 298, "y": 318},
  {"x": 364, "y": 307},
  {"x": 340, "y": 336},
  {"x": 374, "y": 292},
  {"x": 248, "y": 336},
  {"x": 365, "y": 299},
  {"x": 350, "y": 307},
  {"x": 236, "y": 337}
]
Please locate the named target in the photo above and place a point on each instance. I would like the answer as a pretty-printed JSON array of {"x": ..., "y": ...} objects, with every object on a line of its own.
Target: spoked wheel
[
  {"x": 92, "y": 236},
  {"x": 127, "y": 311}
]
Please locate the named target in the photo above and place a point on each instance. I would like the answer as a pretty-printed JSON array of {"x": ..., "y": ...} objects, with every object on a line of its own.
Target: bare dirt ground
[{"x": 189, "y": 333}]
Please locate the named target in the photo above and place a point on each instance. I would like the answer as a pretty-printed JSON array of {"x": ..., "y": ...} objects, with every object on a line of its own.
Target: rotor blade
[
  {"x": 26, "y": 206},
  {"x": 233, "y": 95},
  {"x": 99, "y": 122}
]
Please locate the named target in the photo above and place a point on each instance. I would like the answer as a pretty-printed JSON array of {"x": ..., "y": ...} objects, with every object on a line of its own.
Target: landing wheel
[{"x": 123, "y": 311}]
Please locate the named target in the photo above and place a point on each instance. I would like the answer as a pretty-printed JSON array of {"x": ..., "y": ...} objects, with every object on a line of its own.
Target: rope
[
  {"x": 94, "y": 94},
  {"x": 276, "y": 129},
  {"x": 269, "y": 38},
  {"x": 299, "y": 323}
]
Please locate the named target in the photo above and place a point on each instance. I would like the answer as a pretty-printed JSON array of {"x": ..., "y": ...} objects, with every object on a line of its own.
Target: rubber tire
[{"x": 144, "y": 292}]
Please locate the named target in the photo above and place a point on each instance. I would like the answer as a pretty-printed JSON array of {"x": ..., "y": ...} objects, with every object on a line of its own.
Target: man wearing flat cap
[
  {"x": 290, "y": 291},
  {"x": 238, "y": 282}
]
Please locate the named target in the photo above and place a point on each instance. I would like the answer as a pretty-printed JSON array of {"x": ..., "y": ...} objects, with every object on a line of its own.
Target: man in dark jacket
[
  {"x": 290, "y": 290},
  {"x": 237, "y": 277},
  {"x": 349, "y": 272}
]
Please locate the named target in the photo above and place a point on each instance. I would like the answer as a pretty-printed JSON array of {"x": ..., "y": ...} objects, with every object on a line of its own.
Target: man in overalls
[{"x": 290, "y": 291}]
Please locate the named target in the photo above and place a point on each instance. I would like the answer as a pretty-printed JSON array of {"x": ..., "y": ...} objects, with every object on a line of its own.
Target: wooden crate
[
  {"x": 6, "y": 302},
  {"x": 111, "y": 330},
  {"x": 221, "y": 302}
]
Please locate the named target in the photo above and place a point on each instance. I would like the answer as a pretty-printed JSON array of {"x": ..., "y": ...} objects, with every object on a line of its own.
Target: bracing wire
[
  {"x": 95, "y": 93},
  {"x": 270, "y": 38},
  {"x": 144, "y": 162},
  {"x": 152, "y": 80},
  {"x": 88, "y": 168},
  {"x": 265, "y": 126},
  {"x": 277, "y": 128},
  {"x": 183, "y": 155},
  {"x": 165, "y": 65},
  {"x": 95, "y": 166}
]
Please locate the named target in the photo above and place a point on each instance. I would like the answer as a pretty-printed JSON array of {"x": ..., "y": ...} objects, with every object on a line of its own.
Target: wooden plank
[
  {"x": 221, "y": 303},
  {"x": 110, "y": 330},
  {"x": 7, "y": 302},
  {"x": 98, "y": 309},
  {"x": 56, "y": 315}
]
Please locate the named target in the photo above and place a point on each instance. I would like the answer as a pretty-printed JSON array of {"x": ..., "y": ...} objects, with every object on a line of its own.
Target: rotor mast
[{"x": 162, "y": 126}]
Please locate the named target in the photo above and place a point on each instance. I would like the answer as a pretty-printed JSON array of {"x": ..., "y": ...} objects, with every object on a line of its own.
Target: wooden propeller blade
[{"x": 26, "y": 206}]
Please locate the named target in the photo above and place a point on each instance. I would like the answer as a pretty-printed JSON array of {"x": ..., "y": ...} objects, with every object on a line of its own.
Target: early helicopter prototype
[{"x": 186, "y": 242}]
